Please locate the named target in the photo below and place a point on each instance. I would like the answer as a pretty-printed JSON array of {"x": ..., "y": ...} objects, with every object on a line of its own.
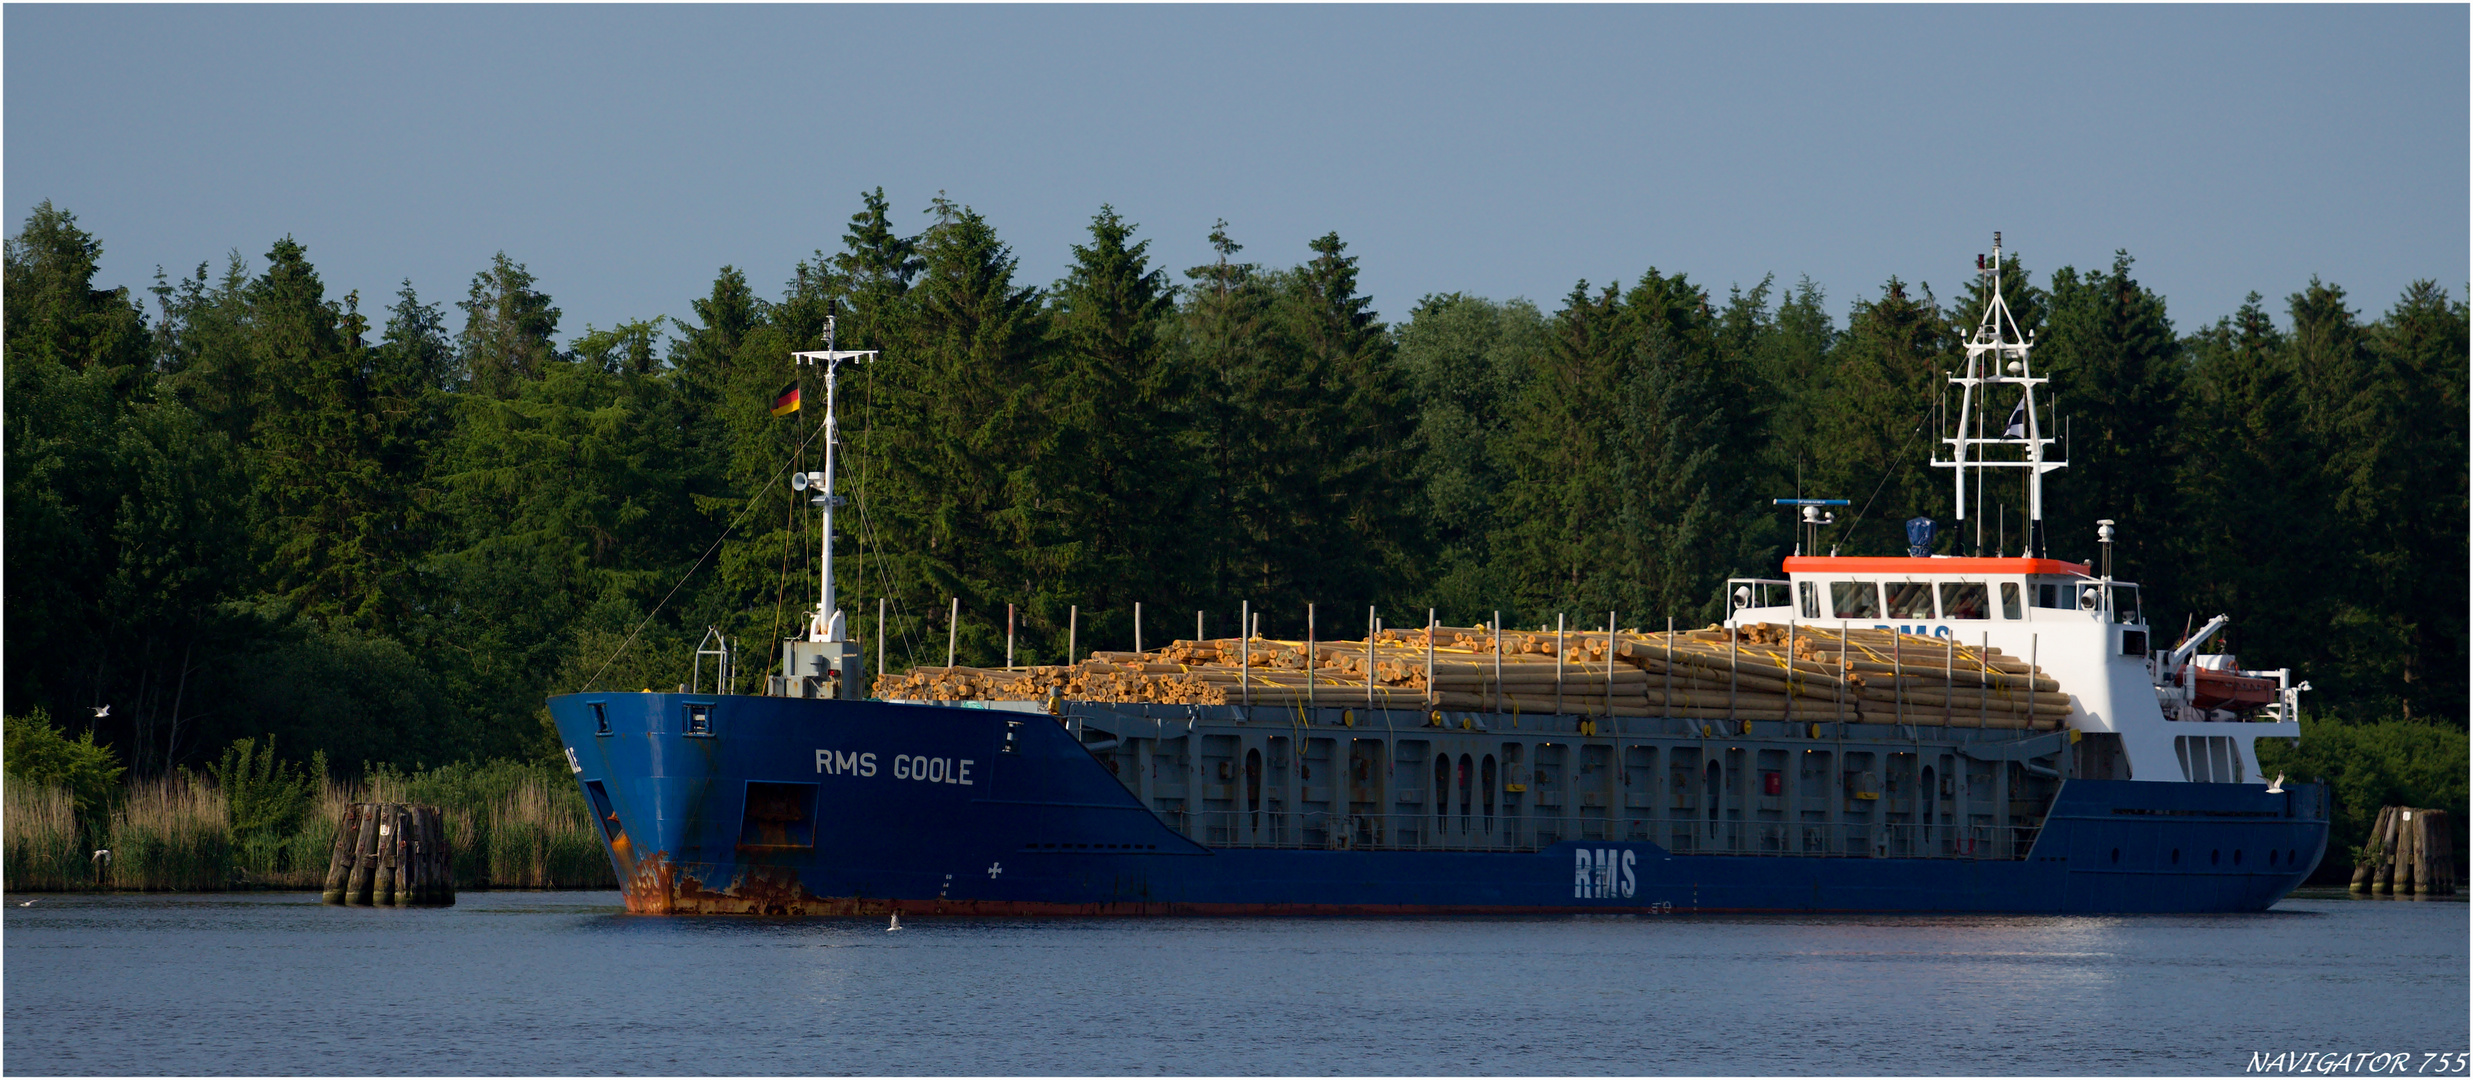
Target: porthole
[
  {"x": 2236, "y": 856},
  {"x": 2291, "y": 857},
  {"x": 2116, "y": 854},
  {"x": 2176, "y": 856},
  {"x": 2271, "y": 856},
  {"x": 2216, "y": 857}
]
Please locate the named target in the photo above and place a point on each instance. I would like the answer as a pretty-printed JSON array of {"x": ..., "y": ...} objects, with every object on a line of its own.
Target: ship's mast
[
  {"x": 827, "y": 623},
  {"x": 1997, "y": 354}
]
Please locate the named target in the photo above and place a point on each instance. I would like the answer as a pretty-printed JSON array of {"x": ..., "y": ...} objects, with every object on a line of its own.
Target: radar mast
[{"x": 1997, "y": 354}]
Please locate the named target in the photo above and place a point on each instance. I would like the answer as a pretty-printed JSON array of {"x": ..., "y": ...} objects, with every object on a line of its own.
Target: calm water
[{"x": 564, "y": 983}]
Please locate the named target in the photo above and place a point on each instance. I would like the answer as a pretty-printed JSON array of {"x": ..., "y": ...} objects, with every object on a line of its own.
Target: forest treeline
[{"x": 244, "y": 502}]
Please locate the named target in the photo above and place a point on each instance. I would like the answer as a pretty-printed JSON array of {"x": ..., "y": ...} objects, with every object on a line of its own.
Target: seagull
[
  {"x": 29, "y": 903},
  {"x": 101, "y": 711},
  {"x": 103, "y": 857},
  {"x": 2276, "y": 788},
  {"x": 897, "y": 923}
]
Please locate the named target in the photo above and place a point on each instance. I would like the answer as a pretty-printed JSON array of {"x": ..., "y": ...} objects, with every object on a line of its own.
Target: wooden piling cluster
[
  {"x": 2411, "y": 852},
  {"x": 1757, "y": 672},
  {"x": 391, "y": 855}
]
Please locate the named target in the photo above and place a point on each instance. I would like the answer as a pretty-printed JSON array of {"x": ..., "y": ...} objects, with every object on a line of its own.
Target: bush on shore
[
  {"x": 253, "y": 820},
  {"x": 2370, "y": 765}
]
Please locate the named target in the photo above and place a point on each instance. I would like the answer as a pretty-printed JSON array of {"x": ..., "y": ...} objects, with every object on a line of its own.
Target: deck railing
[{"x": 1323, "y": 831}]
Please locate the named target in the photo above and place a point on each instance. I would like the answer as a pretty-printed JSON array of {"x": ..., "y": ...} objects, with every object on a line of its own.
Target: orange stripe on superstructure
[{"x": 1859, "y": 564}]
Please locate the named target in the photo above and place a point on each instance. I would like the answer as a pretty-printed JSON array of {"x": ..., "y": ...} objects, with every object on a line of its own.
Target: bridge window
[
  {"x": 2056, "y": 594},
  {"x": 1964, "y": 600},
  {"x": 1909, "y": 599},
  {"x": 1811, "y": 599},
  {"x": 1855, "y": 599},
  {"x": 2009, "y": 601}
]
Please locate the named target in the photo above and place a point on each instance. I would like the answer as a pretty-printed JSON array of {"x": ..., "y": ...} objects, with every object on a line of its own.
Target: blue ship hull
[{"x": 821, "y": 807}]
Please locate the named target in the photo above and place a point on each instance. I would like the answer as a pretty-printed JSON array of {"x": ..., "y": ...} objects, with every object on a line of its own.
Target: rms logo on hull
[{"x": 1602, "y": 873}]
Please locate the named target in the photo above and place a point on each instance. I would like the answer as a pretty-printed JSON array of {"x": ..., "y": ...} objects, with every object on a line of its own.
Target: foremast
[{"x": 825, "y": 662}]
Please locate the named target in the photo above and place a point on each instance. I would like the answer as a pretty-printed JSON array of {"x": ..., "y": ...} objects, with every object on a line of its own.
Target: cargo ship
[{"x": 1914, "y": 733}]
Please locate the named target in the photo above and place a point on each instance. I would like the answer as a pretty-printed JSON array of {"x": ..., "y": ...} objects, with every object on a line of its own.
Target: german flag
[{"x": 788, "y": 402}]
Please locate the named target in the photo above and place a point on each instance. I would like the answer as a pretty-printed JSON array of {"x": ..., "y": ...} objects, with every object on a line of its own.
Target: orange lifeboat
[{"x": 2226, "y": 688}]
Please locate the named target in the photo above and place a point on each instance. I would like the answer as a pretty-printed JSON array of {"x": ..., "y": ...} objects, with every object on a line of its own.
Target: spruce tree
[
  {"x": 1346, "y": 476},
  {"x": 1465, "y": 360},
  {"x": 1117, "y": 401},
  {"x": 956, "y": 433},
  {"x": 54, "y": 311},
  {"x": 2117, "y": 369},
  {"x": 2253, "y": 537},
  {"x": 1559, "y": 508},
  {"x": 510, "y": 329},
  {"x": 1888, "y": 376},
  {"x": 1227, "y": 338}
]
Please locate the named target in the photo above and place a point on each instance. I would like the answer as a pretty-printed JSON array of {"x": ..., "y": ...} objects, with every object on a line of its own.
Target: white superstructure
[{"x": 2086, "y": 629}]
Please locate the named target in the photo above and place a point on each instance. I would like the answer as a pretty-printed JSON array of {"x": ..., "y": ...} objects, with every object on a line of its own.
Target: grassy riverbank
[{"x": 512, "y": 826}]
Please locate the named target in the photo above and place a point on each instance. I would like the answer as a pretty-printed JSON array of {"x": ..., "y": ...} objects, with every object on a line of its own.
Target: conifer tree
[
  {"x": 1559, "y": 500},
  {"x": 1790, "y": 354},
  {"x": 54, "y": 311},
  {"x": 2111, "y": 346},
  {"x": 1226, "y": 337},
  {"x": 1888, "y": 374},
  {"x": 318, "y": 481},
  {"x": 1689, "y": 409},
  {"x": 1117, "y": 401},
  {"x": 202, "y": 346},
  {"x": 510, "y": 329},
  {"x": 1346, "y": 476},
  {"x": 2253, "y": 534},
  {"x": 1465, "y": 360},
  {"x": 956, "y": 430}
]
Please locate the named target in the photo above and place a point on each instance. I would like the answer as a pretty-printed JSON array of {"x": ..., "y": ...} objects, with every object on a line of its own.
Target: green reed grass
[
  {"x": 540, "y": 840},
  {"x": 44, "y": 849},
  {"x": 511, "y": 826},
  {"x": 171, "y": 834}
]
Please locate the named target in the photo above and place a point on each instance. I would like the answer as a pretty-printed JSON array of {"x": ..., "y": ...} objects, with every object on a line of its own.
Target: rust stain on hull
[{"x": 657, "y": 887}]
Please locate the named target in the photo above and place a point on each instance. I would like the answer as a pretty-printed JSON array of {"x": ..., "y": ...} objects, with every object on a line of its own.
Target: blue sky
[{"x": 626, "y": 153}]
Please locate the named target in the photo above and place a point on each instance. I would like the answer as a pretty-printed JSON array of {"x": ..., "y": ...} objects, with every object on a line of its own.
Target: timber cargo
[{"x": 1925, "y": 732}]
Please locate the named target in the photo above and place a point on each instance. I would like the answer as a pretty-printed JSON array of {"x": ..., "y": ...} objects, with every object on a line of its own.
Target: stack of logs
[
  {"x": 391, "y": 855},
  {"x": 2410, "y": 852},
  {"x": 1757, "y": 672}
]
